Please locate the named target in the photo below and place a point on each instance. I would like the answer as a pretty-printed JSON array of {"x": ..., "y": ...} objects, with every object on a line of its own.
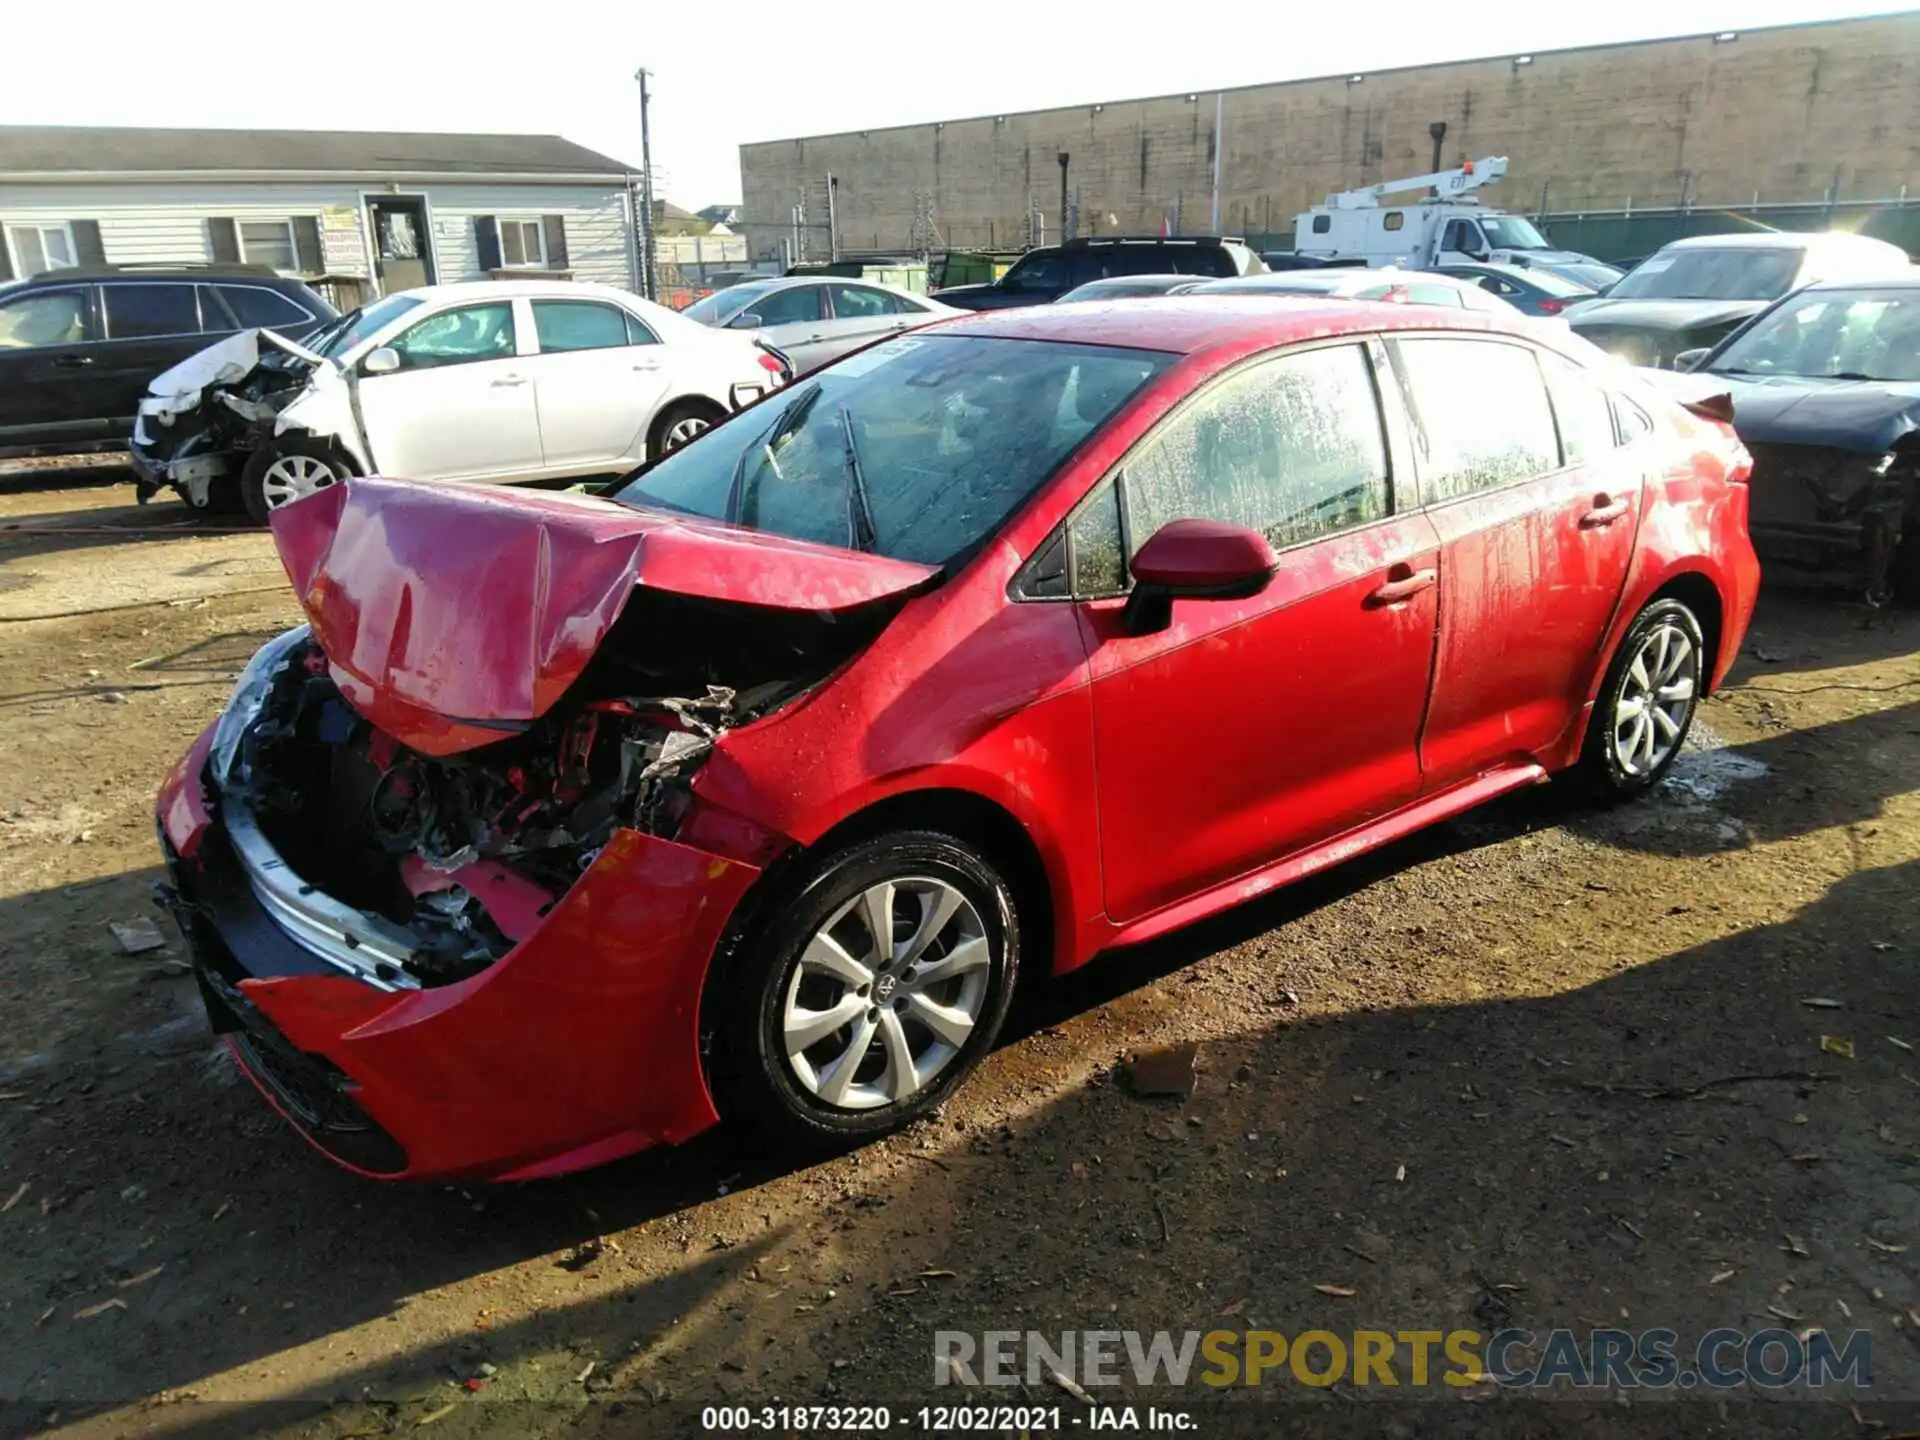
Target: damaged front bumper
[
  {"x": 579, "y": 1045},
  {"x": 1833, "y": 514}
]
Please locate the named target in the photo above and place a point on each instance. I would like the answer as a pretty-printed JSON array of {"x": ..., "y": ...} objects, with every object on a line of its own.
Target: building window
[
  {"x": 38, "y": 248},
  {"x": 269, "y": 243},
  {"x": 523, "y": 244}
]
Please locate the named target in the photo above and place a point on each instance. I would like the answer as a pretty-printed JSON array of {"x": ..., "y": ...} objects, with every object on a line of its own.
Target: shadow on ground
[{"x": 1580, "y": 1159}]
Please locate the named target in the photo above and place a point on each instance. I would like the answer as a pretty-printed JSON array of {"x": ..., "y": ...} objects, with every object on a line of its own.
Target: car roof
[
  {"x": 766, "y": 284},
  {"x": 1892, "y": 282},
  {"x": 1774, "y": 240},
  {"x": 184, "y": 273},
  {"x": 1191, "y": 324},
  {"x": 509, "y": 289}
]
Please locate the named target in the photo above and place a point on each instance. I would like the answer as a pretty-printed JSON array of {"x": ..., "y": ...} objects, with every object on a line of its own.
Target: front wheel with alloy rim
[
  {"x": 1647, "y": 702},
  {"x": 870, "y": 992},
  {"x": 285, "y": 471}
]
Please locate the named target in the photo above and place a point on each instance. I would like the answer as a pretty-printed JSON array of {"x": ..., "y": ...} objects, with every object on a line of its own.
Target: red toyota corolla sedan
[{"x": 570, "y": 824}]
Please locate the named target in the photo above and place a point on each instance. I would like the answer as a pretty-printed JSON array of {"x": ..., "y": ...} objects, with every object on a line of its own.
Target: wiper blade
[
  {"x": 864, "y": 535},
  {"x": 790, "y": 420}
]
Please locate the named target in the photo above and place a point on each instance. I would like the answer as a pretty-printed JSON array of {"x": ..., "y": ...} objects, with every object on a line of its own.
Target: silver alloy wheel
[
  {"x": 681, "y": 431},
  {"x": 1656, "y": 700},
  {"x": 886, "y": 993},
  {"x": 293, "y": 477}
]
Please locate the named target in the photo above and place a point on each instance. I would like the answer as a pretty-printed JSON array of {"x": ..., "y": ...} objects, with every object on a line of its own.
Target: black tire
[
  {"x": 253, "y": 479},
  {"x": 1602, "y": 771},
  {"x": 1906, "y": 564},
  {"x": 757, "y": 1080},
  {"x": 225, "y": 496},
  {"x": 681, "y": 413}
]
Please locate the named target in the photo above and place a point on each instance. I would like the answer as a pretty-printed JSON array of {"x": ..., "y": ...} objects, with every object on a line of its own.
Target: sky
[{"x": 736, "y": 72}]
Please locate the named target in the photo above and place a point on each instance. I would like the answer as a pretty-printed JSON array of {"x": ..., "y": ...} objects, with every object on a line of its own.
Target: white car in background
[
  {"x": 492, "y": 381},
  {"x": 812, "y": 319}
]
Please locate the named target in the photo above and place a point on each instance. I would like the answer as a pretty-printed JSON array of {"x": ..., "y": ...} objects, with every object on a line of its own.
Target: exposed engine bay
[{"x": 465, "y": 853}]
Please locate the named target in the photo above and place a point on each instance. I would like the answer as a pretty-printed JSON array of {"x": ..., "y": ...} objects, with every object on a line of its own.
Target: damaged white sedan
[{"x": 497, "y": 381}]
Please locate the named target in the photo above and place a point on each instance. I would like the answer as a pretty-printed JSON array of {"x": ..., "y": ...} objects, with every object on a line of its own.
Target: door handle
[
  {"x": 647, "y": 365},
  {"x": 73, "y": 362},
  {"x": 814, "y": 339},
  {"x": 1403, "y": 583},
  {"x": 508, "y": 381},
  {"x": 1605, "y": 511}
]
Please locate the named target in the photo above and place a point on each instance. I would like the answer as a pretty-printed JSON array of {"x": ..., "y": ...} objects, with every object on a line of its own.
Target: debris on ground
[
  {"x": 1167, "y": 1072},
  {"x": 136, "y": 937}
]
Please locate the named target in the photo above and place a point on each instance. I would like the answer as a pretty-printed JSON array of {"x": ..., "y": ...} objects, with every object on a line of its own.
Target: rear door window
[
  {"x": 1048, "y": 271},
  {"x": 1582, "y": 410},
  {"x": 1482, "y": 411},
  {"x": 1291, "y": 447},
  {"x": 578, "y": 325},
  {"x": 255, "y": 305},
  {"x": 796, "y": 305},
  {"x": 861, "y": 302},
  {"x": 142, "y": 311}
]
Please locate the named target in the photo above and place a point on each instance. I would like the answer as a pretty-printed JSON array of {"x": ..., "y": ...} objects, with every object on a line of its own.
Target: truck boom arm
[{"x": 1449, "y": 184}]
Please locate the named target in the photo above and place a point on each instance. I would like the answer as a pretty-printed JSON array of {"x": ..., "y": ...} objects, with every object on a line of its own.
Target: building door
[{"x": 402, "y": 255}]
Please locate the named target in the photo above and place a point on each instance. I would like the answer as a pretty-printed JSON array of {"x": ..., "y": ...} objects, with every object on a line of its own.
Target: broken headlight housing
[{"x": 249, "y": 693}]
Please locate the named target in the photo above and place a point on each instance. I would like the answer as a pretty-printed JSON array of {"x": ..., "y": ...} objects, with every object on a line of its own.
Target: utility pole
[
  {"x": 1067, "y": 231},
  {"x": 649, "y": 283},
  {"x": 1219, "y": 144}
]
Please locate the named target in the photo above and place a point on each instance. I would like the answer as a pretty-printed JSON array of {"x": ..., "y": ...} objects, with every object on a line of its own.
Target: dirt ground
[{"x": 1541, "y": 1067}]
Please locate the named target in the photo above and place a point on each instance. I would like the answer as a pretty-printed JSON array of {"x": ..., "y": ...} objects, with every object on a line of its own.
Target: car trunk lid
[{"x": 453, "y": 615}]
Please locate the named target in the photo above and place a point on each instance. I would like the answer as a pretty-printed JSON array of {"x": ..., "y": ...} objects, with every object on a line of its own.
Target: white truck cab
[{"x": 1448, "y": 227}]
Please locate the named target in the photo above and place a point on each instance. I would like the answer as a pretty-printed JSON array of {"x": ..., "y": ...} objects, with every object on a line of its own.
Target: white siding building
[{"x": 360, "y": 214}]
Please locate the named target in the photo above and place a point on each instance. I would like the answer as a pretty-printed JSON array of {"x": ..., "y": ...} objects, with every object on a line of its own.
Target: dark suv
[
  {"x": 1047, "y": 272},
  {"x": 78, "y": 346}
]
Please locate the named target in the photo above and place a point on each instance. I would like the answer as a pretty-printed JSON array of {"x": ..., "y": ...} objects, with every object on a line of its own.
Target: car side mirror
[
  {"x": 1195, "y": 560},
  {"x": 746, "y": 320},
  {"x": 381, "y": 361},
  {"x": 1479, "y": 253},
  {"x": 1690, "y": 359}
]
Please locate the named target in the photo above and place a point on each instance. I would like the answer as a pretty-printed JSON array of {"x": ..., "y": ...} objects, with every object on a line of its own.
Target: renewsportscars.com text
[{"x": 1617, "y": 1359}]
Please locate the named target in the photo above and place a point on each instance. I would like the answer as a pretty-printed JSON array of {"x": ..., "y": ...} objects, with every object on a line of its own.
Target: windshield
[
  {"x": 723, "y": 305},
  {"x": 1730, "y": 274},
  {"x": 350, "y": 329},
  {"x": 917, "y": 449},
  {"x": 1856, "y": 334},
  {"x": 1510, "y": 232}
]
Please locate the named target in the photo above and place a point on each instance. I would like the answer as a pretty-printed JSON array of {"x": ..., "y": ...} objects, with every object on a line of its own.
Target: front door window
[{"x": 457, "y": 337}]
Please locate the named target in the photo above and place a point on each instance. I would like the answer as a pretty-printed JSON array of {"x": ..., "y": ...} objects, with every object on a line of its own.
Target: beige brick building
[{"x": 1784, "y": 114}]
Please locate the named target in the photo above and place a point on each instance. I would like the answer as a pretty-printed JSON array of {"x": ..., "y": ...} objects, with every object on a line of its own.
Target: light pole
[{"x": 648, "y": 282}]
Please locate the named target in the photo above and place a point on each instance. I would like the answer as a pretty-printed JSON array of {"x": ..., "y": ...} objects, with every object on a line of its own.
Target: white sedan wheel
[{"x": 294, "y": 477}]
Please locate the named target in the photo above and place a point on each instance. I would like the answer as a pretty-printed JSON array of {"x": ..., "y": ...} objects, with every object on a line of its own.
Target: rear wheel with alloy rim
[
  {"x": 1647, "y": 703},
  {"x": 286, "y": 471},
  {"x": 681, "y": 424},
  {"x": 866, "y": 997}
]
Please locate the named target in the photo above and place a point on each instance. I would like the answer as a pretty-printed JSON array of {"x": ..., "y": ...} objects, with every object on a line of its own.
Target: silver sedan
[{"x": 812, "y": 319}]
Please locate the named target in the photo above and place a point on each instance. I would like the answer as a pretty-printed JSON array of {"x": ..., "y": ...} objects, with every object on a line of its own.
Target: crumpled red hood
[{"x": 450, "y": 613}]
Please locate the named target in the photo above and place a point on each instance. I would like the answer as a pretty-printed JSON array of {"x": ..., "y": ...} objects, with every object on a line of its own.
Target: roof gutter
[{"x": 466, "y": 177}]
